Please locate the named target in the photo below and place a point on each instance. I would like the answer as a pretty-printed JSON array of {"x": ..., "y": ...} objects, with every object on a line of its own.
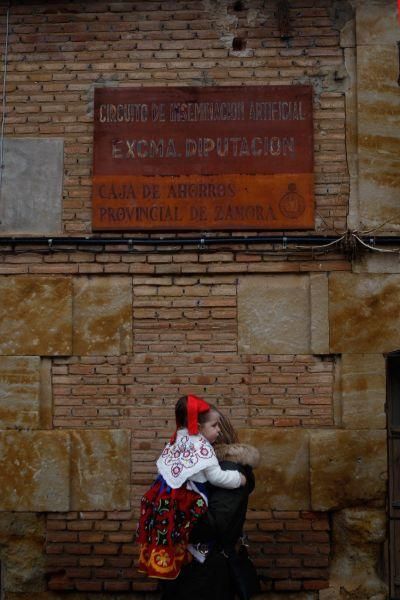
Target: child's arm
[{"x": 224, "y": 479}]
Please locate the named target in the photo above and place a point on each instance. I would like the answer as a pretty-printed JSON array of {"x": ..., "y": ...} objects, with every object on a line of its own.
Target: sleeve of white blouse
[{"x": 224, "y": 479}]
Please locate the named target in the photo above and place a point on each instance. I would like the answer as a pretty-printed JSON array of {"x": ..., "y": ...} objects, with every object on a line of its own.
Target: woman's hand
[{"x": 243, "y": 480}]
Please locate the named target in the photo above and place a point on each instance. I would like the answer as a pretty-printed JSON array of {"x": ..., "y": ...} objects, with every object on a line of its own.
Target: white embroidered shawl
[{"x": 188, "y": 455}]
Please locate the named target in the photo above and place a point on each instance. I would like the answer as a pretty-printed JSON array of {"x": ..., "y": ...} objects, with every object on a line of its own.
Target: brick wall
[
  {"x": 185, "y": 339},
  {"x": 59, "y": 51},
  {"x": 159, "y": 266},
  {"x": 105, "y": 391},
  {"x": 185, "y": 321},
  {"x": 94, "y": 551}
]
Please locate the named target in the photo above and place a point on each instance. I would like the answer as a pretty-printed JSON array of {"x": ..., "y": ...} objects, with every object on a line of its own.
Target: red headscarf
[{"x": 194, "y": 407}]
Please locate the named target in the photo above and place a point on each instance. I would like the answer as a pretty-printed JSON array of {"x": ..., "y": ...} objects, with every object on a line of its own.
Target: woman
[{"x": 218, "y": 531}]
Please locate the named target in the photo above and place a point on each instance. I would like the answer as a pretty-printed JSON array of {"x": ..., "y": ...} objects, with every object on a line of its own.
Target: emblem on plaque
[{"x": 292, "y": 204}]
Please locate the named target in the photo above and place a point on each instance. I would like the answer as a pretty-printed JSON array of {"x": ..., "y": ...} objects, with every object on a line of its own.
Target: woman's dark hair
[{"x": 181, "y": 415}]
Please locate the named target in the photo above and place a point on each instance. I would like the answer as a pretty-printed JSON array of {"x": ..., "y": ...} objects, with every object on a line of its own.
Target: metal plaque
[{"x": 203, "y": 158}]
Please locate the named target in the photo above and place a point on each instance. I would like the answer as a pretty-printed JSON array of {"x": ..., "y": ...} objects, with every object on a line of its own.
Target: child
[{"x": 178, "y": 496}]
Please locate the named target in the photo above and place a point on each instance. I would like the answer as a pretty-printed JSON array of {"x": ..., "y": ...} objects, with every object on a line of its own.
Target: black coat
[{"x": 222, "y": 525}]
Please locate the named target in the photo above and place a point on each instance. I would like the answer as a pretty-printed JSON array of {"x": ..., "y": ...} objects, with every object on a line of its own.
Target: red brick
[
  {"x": 88, "y": 586},
  {"x": 77, "y": 549},
  {"x": 117, "y": 586},
  {"x": 91, "y": 561},
  {"x": 54, "y": 548},
  {"x": 56, "y": 525},
  {"x": 318, "y": 584},
  {"x": 122, "y": 538},
  {"x": 60, "y": 583},
  {"x": 62, "y": 561},
  {"x": 62, "y": 536},
  {"x": 316, "y": 537},
  {"x": 80, "y": 525},
  {"x": 287, "y": 586},
  {"x": 91, "y": 537},
  {"x": 105, "y": 548},
  {"x": 78, "y": 572},
  {"x": 106, "y": 573},
  {"x": 303, "y": 549}
]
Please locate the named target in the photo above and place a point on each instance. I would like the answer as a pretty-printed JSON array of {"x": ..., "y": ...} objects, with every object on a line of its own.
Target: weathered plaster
[{"x": 32, "y": 186}]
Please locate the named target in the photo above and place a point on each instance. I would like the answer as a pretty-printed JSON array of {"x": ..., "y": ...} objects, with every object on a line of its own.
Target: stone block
[
  {"x": 363, "y": 391},
  {"x": 18, "y": 525},
  {"x": 376, "y": 22},
  {"x": 19, "y": 392},
  {"x": 102, "y": 315},
  {"x": 347, "y": 28},
  {"x": 319, "y": 313},
  {"x": 372, "y": 118},
  {"x": 348, "y": 468},
  {"x": 329, "y": 594},
  {"x": 360, "y": 525},
  {"x": 378, "y": 137},
  {"x": 32, "y": 186},
  {"x": 274, "y": 314},
  {"x": 46, "y": 394},
  {"x": 100, "y": 470},
  {"x": 34, "y": 473},
  {"x": 35, "y": 316},
  {"x": 282, "y": 479},
  {"x": 24, "y": 566},
  {"x": 375, "y": 262},
  {"x": 358, "y": 535},
  {"x": 22, "y": 539},
  {"x": 377, "y": 88},
  {"x": 364, "y": 313}
]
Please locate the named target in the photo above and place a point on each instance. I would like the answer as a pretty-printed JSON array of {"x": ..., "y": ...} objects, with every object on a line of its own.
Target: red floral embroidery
[
  {"x": 184, "y": 454},
  {"x": 167, "y": 517}
]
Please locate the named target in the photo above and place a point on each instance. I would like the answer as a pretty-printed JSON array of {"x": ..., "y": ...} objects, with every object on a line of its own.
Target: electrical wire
[
  {"x": 334, "y": 243},
  {"x": 374, "y": 248},
  {"x": 346, "y": 244}
]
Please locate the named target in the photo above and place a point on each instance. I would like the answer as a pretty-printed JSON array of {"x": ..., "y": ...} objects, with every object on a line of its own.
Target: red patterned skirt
[{"x": 166, "y": 519}]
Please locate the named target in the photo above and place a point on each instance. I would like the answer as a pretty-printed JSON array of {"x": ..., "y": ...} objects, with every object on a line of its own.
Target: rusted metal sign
[{"x": 200, "y": 158}]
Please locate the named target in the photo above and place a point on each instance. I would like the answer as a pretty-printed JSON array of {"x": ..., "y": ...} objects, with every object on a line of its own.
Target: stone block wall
[
  {"x": 98, "y": 342},
  {"x": 96, "y": 422}
]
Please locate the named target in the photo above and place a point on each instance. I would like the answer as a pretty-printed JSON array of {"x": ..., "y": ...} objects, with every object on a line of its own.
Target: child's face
[{"x": 210, "y": 428}]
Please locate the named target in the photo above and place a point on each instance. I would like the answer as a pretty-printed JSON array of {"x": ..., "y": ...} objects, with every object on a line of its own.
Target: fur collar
[{"x": 243, "y": 454}]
